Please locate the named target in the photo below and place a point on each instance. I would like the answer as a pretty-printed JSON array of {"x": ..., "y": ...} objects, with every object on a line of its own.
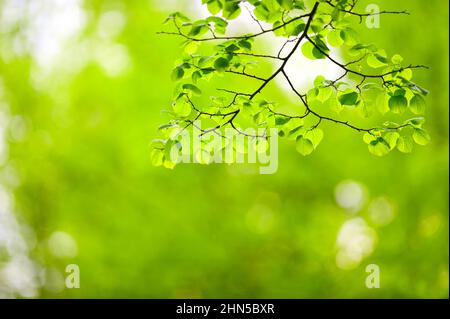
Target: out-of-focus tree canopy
[{"x": 82, "y": 86}]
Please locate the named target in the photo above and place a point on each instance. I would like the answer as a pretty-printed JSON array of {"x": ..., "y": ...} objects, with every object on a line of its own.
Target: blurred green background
[{"x": 82, "y": 86}]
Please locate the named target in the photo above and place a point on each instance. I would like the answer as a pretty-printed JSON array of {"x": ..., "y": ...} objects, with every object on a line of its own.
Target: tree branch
[{"x": 240, "y": 37}]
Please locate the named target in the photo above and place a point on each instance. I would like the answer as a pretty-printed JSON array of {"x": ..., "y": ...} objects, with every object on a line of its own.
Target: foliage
[{"x": 372, "y": 82}]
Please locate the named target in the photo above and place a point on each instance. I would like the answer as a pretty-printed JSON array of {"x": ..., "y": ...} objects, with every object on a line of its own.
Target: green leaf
[
  {"x": 421, "y": 136},
  {"x": 335, "y": 39},
  {"x": 177, "y": 74},
  {"x": 368, "y": 138},
  {"x": 157, "y": 157},
  {"x": 182, "y": 108},
  {"x": 279, "y": 31},
  {"x": 349, "y": 98},
  {"x": 158, "y": 143},
  {"x": 397, "y": 59},
  {"x": 334, "y": 105},
  {"x": 261, "y": 11},
  {"x": 207, "y": 71},
  {"x": 294, "y": 28},
  {"x": 205, "y": 61},
  {"x": 315, "y": 136},
  {"x": 286, "y": 4},
  {"x": 400, "y": 92},
  {"x": 177, "y": 16},
  {"x": 417, "y": 104},
  {"x": 214, "y": 6},
  {"x": 318, "y": 81},
  {"x": 405, "y": 144},
  {"x": 299, "y": 4},
  {"x": 416, "y": 121},
  {"x": 319, "y": 41},
  {"x": 398, "y": 104},
  {"x": 218, "y": 21},
  {"x": 310, "y": 50},
  {"x": 364, "y": 109},
  {"x": 416, "y": 88},
  {"x": 192, "y": 88},
  {"x": 197, "y": 75},
  {"x": 363, "y": 47},
  {"x": 325, "y": 93},
  {"x": 232, "y": 48},
  {"x": 245, "y": 44},
  {"x": 377, "y": 60},
  {"x": 174, "y": 132},
  {"x": 304, "y": 146},
  {"x": 281, "y": 120},
  {"x": 166, "y": 126},
  {"x": 168, "y": 164},
  {"x": 221, "y": 64},
  {"x": 169, "y": 156},
  {"x": 295, "y": 132},
  {"x": 307, "y": 50},
  {"x": 231, "y": 9},
  {"x": 350, "y": 36},
  {"x": 379, "y": 147},
  {"x": 198, "y": 29},
  {"x": 391, "y": 138}
]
